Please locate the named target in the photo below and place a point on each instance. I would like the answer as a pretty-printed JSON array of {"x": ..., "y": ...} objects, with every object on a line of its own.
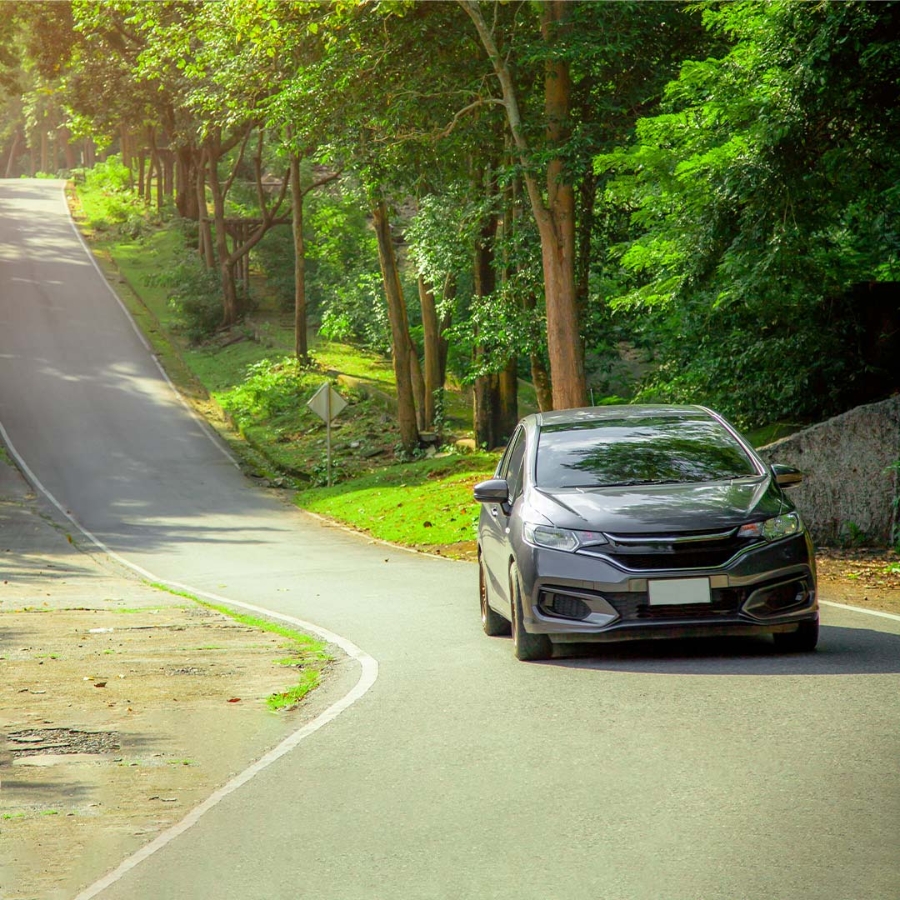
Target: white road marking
[{"x": 870, "y": 612}]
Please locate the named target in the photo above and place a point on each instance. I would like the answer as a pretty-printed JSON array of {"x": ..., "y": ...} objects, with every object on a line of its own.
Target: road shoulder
[{"x": 121, "y": 706}]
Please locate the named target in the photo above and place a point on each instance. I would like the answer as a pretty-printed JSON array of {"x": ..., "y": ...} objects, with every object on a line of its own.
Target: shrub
[{"x": 195, "y": 298}]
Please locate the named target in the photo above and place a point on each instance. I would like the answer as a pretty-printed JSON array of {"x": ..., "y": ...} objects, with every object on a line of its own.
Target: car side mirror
[
  {"x": 494, "y": 490},
  {"x": 787, "y": 476}
]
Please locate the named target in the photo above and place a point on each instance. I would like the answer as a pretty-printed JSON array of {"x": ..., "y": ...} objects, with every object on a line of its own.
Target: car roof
[{"x": 635, "y": 412}]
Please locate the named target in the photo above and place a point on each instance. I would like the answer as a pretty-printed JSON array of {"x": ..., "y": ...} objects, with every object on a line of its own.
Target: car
[{"x": 627, "y": 522}]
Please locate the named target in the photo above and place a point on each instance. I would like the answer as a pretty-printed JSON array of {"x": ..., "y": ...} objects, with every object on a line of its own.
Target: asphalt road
[{"x": 676, "y": 771}]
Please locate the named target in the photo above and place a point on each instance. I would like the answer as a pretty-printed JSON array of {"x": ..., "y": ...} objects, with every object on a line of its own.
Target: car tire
[
  {"x": 803, "y": 640},
  {"x": 527, "y": 647},
  {"x": 493, "y": 623}
]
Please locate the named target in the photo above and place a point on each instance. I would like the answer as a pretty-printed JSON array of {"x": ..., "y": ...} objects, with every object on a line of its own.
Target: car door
[{"x": 495, "y": 545}]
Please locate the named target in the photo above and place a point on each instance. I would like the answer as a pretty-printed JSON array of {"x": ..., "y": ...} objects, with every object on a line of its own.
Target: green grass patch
[
  {"x": 423, "y": 504},
  {"x": 308, "y": 653}
]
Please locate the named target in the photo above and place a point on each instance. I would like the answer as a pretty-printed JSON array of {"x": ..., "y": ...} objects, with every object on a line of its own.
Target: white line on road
[{"x": 871, "y": 612}]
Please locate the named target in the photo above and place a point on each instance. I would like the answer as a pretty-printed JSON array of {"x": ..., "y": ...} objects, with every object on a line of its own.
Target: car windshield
[{"x": 636, "y": 451}]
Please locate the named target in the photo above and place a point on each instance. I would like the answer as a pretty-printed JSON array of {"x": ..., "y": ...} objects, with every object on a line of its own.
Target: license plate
[{"x": 679, "y": 591}]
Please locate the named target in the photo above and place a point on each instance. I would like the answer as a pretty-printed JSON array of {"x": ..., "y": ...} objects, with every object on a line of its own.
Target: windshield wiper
[{"x": 637, "y": 481}]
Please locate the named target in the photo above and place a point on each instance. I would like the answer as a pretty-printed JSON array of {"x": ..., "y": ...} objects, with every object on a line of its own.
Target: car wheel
[
  {"x": 803, "y": 640},
  {"x": 493, "y": 623},
  {"x": 528, "y": 647}
]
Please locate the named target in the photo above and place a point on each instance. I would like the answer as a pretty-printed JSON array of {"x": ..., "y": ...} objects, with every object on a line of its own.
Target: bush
[
  {"x": 195, "y": 298},
  {"x": 271, "y": 388},
  {"x": 109, "y": 176}
]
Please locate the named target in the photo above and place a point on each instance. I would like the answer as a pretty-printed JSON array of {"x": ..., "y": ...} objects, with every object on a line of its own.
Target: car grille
[
  {"x": 700, "y": 550},
  {"x": 633, "y": 606}
]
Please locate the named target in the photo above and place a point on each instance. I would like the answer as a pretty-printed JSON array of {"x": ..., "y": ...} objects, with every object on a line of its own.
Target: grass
[
  {"x": 307, "y": 653},
  {"x": 426, "y": 504}
]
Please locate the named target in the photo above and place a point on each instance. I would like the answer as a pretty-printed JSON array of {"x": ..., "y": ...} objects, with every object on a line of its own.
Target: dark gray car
[{"x": 622, "y": 522}]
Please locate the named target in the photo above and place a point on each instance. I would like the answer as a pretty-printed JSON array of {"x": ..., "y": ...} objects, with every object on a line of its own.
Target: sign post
[{"x": 327, "y": 403}]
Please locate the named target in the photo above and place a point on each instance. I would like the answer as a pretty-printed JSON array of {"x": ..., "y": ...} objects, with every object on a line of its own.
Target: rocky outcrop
[{"x": 850, "y": 463}]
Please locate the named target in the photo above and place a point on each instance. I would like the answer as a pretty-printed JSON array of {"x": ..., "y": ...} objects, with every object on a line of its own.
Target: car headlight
[
  {"x": 560, "y": 538},
  {"x": 773, "y": 529}
]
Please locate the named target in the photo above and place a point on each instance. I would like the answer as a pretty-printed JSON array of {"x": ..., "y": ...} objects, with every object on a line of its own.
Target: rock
[{"x": 850, "y": 477}]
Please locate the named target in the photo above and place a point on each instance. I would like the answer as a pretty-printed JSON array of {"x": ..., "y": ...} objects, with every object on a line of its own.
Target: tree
[
  {"x": 554, "y": 207},
  {"x": 761, "y": 194}
]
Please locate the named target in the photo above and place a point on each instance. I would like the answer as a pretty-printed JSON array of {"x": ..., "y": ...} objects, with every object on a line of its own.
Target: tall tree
[{"x": 553, "y": 202}]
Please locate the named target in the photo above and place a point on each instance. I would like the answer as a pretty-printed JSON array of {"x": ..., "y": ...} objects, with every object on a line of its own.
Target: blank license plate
[{"x": 679, "y": 591}]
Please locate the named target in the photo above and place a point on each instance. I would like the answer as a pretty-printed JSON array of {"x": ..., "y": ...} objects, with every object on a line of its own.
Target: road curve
[{"x": 685, "y": 771}]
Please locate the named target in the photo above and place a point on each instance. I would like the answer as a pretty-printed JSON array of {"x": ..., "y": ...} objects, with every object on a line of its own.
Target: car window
[
  {"x": 515, "y": 442},
  {"x": 516, "y": 466},
  {"x": 597, "y": 453}
]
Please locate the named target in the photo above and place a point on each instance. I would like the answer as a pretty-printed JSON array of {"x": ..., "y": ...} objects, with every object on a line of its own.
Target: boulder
[{"x": 850, "y": 463}]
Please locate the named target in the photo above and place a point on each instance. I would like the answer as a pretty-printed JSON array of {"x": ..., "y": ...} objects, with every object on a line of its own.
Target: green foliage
[
  {"x": 194, "y": 298},
  {"x": 272, "y": 387},
  {"x": 111, "y": 176},
  {"x": 114, "y": 206},
  {"x": 754, "y": 363},
  {"x": 762, "y": 192}
]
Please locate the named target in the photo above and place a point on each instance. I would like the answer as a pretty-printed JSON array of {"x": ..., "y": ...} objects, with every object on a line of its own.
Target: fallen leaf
[{"x": 234, "y": 700}]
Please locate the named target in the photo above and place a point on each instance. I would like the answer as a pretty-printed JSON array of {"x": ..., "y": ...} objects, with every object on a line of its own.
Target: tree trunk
[
  {"x": 431, "y": 328},
  {"x": 230, "y": 305},
  {"x": 557, "y": 226},
  {"x": 487, "y": 407},
  {"x": 45, "y": 152},
  {"x": 70, "y": 156},
  {"x": 487, "y": 385},
  {"x": 142, "y": 174},
  {"x": 418, "y": 384},
  {"x": 187, "y": 193},
  {"x": 508, "y": 405},
  {"x": 11, "y": 162},
  {"x": 400, "y": 340},
  {"x": 301, "y": 347}
]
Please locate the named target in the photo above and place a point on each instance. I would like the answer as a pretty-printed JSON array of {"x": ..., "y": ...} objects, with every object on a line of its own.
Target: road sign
[{"x": 327, "y": 403}]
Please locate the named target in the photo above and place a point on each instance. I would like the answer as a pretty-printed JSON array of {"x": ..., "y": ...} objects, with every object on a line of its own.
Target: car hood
[{"x": 651, "y": 509}]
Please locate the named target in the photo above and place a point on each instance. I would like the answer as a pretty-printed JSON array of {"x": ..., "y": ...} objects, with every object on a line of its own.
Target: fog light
[
  {"x": 564, "y": 606},
  {"x": 778, "y": 598}
]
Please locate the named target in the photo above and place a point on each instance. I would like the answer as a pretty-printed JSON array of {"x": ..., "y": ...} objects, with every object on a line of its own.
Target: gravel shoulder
[{"x": 121, "y": 706}]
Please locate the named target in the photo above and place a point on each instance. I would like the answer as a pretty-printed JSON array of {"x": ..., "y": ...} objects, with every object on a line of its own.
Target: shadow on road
[{"x": 841, "y": 651}]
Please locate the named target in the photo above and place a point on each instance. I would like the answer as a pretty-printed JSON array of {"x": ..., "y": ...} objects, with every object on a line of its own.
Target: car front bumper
[{"x": 574, "y": 597}]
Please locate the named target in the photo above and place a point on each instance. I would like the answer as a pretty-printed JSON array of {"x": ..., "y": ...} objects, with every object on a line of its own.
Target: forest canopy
[{"x": 641, "y": 201}]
